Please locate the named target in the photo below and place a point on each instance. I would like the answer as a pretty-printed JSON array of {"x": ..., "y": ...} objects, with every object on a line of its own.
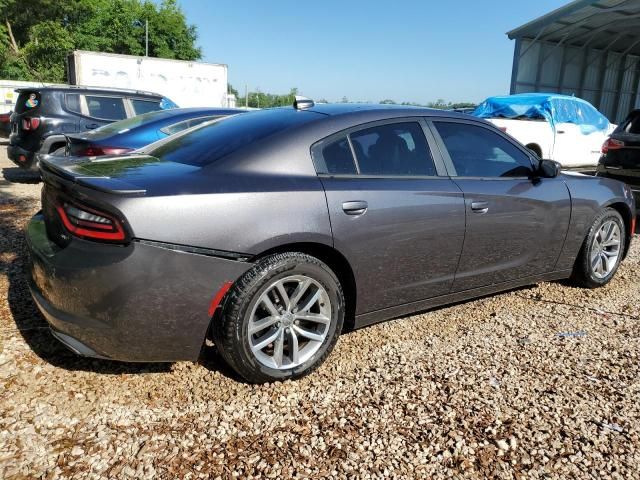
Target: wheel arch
[
  {"x": 335, "y": 261},
  {"x": 624, "y": 211}
]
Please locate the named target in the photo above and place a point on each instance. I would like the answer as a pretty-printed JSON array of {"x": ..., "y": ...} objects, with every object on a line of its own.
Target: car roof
[
  {"x": 334, "y": 109},
  {"x": 83, "y": 88}
]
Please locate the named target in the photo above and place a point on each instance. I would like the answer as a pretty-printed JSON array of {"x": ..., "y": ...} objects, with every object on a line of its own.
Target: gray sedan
[{"x": 273, "y": 231}]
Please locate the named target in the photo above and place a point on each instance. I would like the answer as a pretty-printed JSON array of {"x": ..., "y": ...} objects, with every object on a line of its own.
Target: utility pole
[
  {"x": 146, "y": 38},
  {"x": 246, "y": 96}
]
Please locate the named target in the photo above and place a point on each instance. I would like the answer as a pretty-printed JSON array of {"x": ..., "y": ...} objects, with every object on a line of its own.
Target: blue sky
[{"x": 365, "y": 50}]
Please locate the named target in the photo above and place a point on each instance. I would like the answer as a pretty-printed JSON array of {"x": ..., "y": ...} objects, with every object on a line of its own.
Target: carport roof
[{"x": 610, "y": 25}]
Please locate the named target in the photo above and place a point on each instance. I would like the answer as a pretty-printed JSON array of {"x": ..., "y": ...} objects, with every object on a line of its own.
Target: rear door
[
  {"x": 573, "y": 147},
  {"x": 516, "y": 224},
  {"x": 394, "y": 213}
]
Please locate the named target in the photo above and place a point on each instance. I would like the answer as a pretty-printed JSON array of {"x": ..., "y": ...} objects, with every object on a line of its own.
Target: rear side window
[
  {"x": 393, "y": 149},
  {"x": 144, "y": 106},
  {"x": 334, "y": 157},
  {"x": 107, "y": 108},
  {"x": 478, "y": 152},
  {"x": 72, "y": 101},
  {"x": 28, "y": 100}
]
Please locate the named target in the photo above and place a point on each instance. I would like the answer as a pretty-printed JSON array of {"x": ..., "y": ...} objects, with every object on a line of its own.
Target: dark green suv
[{"x": 43, "y": 116}]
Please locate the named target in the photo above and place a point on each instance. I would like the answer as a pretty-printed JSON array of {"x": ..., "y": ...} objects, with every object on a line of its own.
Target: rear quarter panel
[{"x": 589, "y": 195}]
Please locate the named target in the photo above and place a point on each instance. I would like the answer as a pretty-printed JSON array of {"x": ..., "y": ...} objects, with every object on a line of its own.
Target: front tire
[
  {"x": 601, "y": 251},
  {"x": 281, "y": 319}
]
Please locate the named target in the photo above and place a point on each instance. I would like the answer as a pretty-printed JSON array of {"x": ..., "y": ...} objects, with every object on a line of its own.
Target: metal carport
[{"x": 588, "y": 48}]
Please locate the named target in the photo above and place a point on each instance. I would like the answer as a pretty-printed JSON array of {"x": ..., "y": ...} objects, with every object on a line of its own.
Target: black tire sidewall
[{"x": 261, "y": 278}]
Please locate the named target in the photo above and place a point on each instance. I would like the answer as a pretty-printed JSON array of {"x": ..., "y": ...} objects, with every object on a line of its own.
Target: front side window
[
  {"x": 107, "y": 108},
  {"x": 145, "y": 106},
  {"x": 478, "y": 152},
  {"x": 395, "y": 149}
]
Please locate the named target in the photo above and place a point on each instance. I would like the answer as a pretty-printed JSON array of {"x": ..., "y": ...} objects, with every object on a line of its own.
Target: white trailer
[{"x": 188, "y": 84}]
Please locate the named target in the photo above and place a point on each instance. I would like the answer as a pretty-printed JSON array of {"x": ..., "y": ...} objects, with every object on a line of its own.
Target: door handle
[
  {"x": 480, "y": 207},
  {"x": 356, "y": 207},
  {"x": 560, "y": 132},
  {"x": 91, "y": 126}
]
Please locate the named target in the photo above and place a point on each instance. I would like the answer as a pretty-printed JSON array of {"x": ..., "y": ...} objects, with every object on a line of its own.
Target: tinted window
[
  {"x": 479, "y": 152},
  {"x": 393, "y": 149},
  {"x": 213, "y": 141},
  {"x": 144, "y": 106},
  {"x": 72, "y": 100},
  {"x": 632, "y": 125},
  {"x": 29, "y": 100},
  {"x": 108, "y": 108},
  {"x": 334, "y": 158}
]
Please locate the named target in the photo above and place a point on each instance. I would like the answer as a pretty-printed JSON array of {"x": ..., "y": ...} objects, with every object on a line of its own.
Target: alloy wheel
[
  {"x": 289, "y": 322},
  {"x": 605, "y": 249}
]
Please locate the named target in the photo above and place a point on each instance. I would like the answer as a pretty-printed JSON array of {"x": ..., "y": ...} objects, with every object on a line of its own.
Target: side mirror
[{"x": 549, "y": 169}]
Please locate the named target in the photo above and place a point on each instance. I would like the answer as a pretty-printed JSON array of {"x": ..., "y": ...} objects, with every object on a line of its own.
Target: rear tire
[
  {"x": 281, "y": 319},
  {"x": 602, "y": 250}
]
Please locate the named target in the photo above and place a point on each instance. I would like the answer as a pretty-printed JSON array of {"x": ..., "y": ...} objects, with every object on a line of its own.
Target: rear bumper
[
  {"x": 137, "y": 303},
  {"x": 15, "y": 153}
]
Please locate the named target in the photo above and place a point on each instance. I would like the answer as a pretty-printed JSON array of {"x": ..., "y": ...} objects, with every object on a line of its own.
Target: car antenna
[{"x": 302, "y": 103}]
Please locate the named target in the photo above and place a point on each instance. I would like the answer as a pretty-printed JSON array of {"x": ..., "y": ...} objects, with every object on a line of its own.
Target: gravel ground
[{"x": 540, "y": 382}]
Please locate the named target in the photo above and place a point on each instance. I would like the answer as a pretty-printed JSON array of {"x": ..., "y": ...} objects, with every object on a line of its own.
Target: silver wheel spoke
[
  {"x": 284, "y": 295},
  {"x": 258, "y": 326},
  {"x": 300, "y": 289},
  {"x": 278, "y": 347},
  {"x": 307, "y": 334},
  {"x": 312, "y": 301},
  {"x": 294, "y": 351},
  {"x": 266, "y": 301},
  {"x": 266, "y": 339},
  {"x": 313, "y": 317}
]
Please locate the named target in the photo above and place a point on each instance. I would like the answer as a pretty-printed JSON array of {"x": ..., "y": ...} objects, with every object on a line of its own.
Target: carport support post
[
  {"x": 516, "y": 66},
  {"x": 619, "y": 81}
]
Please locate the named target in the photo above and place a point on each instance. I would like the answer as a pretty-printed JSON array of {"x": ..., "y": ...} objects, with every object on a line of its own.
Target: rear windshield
[
  {"x": 129, "y": 123},
  {"x": 212, "y": 141},
  {"x": 632, "y": 125},
  {"x": 28, "y": 100}
]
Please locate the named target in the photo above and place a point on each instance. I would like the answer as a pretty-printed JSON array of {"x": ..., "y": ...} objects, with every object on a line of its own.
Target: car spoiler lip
[{"x": 102, "y": 183}]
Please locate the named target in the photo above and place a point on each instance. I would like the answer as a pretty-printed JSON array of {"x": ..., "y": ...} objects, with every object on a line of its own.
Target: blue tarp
[{"x": 552, "y": 107}]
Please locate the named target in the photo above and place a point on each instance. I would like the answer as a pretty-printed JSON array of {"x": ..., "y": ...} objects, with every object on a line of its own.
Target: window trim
[
  {"x": 444, "y": 152},
  {"x": 421, "y": 121}
]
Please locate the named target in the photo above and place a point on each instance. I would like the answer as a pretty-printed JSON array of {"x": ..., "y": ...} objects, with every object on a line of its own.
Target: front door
[
  {"x": 516, "y": 223},
  {"x": 399, "y": 223}
]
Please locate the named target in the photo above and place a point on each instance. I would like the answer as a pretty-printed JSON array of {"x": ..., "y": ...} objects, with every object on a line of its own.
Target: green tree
[{"x": 35, "y": 41}]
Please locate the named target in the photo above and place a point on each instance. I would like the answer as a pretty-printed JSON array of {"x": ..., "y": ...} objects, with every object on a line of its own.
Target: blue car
[{"x": 137, "y": 132}]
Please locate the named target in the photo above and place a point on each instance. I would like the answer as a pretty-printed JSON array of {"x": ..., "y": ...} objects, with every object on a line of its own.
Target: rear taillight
[
  {"x": 612, "y": 144},
  {"x": 30, "y": 123},
  {"x": 5, "y": 117},
  {"x": 504, "y": 129},
  {"x": 95, "y": 151},
  {"x": 85, "y": 222}
]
